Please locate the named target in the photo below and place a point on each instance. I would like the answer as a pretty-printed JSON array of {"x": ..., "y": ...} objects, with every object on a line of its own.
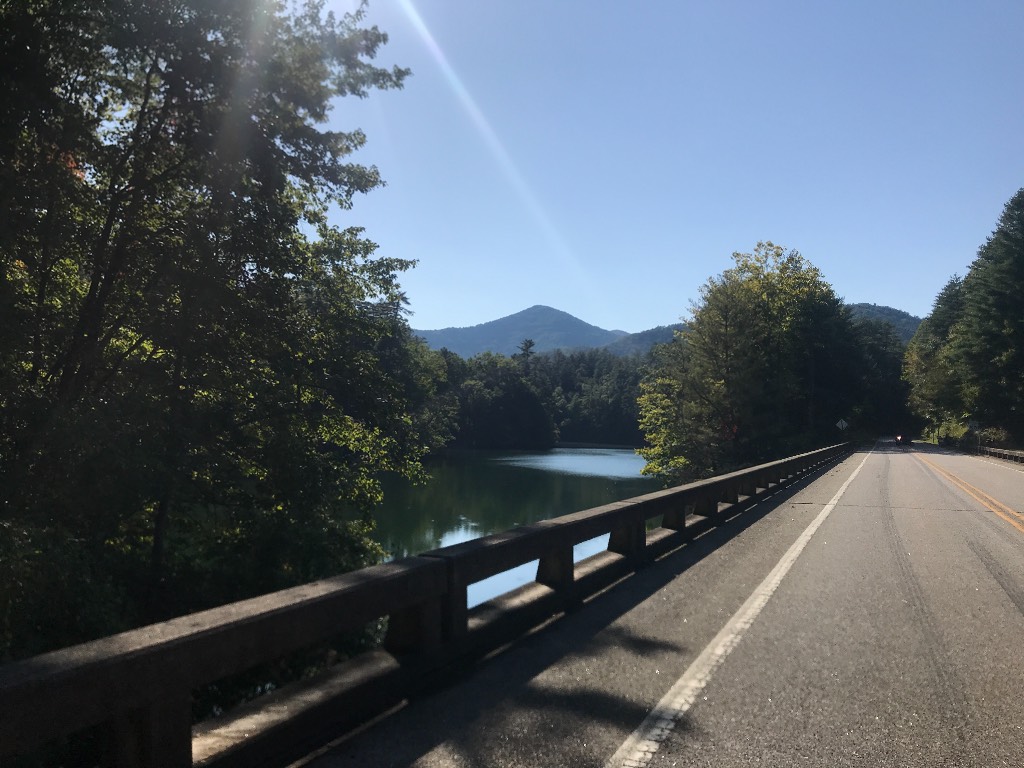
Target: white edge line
[{"x": 639, "y": 748}]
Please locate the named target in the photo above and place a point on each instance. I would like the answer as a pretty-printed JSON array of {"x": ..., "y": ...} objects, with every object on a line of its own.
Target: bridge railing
[
  {"x": 138, "y": 685},
  {"x": 1002, "y": 453}
]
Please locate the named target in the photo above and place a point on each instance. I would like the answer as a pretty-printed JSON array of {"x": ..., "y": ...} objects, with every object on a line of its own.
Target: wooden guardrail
[
  {"x": 1001, "y": 453},
  {"x": 137, "y": 686}
]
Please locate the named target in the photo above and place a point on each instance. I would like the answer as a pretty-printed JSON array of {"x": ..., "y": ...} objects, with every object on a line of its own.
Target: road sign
[{"x": 842, "y": 424}]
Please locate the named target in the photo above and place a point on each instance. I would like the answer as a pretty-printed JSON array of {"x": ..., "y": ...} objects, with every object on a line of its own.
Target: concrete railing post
[
  {"x": 730, "y": 494},
  {"x": 675, "y": 518},
  {"x": 629, "y": 539},
  {"x": 706, "y": 506},
  {"x": 156, "y": 736},
  {"x": 556, "y": 569},
  {"x": 415, "y": 629}
]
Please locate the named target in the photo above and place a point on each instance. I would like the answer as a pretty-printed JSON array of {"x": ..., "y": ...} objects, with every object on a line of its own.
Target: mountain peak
[{"x": 549, "y": 328}]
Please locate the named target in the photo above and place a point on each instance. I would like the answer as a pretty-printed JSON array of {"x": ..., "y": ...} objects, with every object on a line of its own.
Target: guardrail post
[
  {"x": 156, "y": 736},
  {"x": 730, "y": 494},
  {"x": 675, "y": 518},
  {"x": 455, "y": 615},
  {"x": 706, "y": 507},
  {"x": 556, "y": 570},
  {"x": 629, "y": 540},
  {"x": 417, "y": 628}
]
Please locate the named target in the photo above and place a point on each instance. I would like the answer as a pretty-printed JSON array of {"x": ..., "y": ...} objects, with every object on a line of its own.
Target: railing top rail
[
  {"x": 86, "y": 682},
  {"x": 492, "y": 554}
]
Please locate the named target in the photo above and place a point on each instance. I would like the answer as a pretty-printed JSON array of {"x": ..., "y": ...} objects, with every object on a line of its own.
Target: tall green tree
[
  {"x": 200, "y": 377},
  {"x": 765, "y": 366},
  {"x": 989, "y": 339},
  {"x": 930, "y": 368},
  {"x": 967, "y": 359}
]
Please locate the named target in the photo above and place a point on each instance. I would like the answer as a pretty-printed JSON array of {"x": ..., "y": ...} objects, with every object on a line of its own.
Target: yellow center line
[{"x": 993, "y": 505}]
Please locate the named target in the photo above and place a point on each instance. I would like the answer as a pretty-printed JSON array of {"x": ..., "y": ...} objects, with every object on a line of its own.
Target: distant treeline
[{"x": 532, "y": 400}]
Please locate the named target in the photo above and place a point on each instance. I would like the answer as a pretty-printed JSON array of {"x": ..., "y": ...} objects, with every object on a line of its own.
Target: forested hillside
[
  {"x": 905, "y": 323},
  {"x": 552, "y": 329},
  {"x": 549, "y": 329}
]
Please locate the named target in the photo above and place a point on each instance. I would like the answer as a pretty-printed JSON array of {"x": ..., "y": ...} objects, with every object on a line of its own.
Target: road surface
[{"x": 871, "y": 617}]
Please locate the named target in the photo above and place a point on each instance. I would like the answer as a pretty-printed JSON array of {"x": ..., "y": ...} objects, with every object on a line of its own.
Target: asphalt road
[{"x": 871, "y": 617}]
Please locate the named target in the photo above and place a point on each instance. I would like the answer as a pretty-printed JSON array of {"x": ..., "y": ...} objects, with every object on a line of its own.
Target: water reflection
[
  {"x": 610, "y": 463},
  {"x": 473, "y": 494}
]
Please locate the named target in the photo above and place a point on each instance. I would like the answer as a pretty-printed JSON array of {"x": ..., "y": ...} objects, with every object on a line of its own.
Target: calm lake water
[{"x": 473, "y": 494}]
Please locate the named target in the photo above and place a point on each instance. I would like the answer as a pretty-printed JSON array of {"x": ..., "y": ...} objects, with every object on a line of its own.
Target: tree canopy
[
  {"x": 200, "y": 377},
  {"x": 966, "y": 362},
  {"x": 768, "y": 363}
]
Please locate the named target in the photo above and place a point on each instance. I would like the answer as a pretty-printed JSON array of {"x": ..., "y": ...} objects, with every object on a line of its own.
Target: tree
[
  {"x": 967, "y": 358},
  {"x": 764, "y": 367},
  {"x": 498, "y": 407},
  {"x": 200, "y": 377},
  {"x": 929, "y": 368},
  {"x": 882, "y": 401},
  {"x": 988, "y": 342}
]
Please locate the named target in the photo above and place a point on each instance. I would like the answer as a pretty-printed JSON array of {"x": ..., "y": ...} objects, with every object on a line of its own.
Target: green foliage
[
  {"x": 929, "y": 366},
  {"x": 967, "y": 359},
  {"x": 532, "y": 400},
  {"x": 989, "y": 339},
  {"x": 200, "y": 379},
  {"x": 904, "y": 324},
  {"x": 768, "y": 363},
  {"x": 498, "y": 407}
]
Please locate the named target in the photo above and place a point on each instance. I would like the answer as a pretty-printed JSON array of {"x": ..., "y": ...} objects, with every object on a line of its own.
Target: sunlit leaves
[
  {"x": 766, "y": 366},
  {"x": 198, "y": 391}
]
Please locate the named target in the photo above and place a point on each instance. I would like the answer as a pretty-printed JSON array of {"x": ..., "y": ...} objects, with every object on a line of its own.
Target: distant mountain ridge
[
  {"x": 553, "y": 329},
  {"x": 549, "y": 328},
  {"x": 904, "y": 322}
]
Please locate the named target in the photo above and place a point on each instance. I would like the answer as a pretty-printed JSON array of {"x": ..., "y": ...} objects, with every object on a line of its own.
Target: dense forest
[
  {"x": 201, "y": 378},
  {"x": 965, "y": 364},
  {"x": 770, "y": 362},
  {"x": 533, "y": 400}
]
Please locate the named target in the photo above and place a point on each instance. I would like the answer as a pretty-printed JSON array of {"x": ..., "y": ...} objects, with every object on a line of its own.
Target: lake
[{"x": 474, "y": 493}]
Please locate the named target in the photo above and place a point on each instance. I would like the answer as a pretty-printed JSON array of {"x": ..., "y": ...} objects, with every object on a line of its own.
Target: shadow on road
[{"x": 442, "y": 719}]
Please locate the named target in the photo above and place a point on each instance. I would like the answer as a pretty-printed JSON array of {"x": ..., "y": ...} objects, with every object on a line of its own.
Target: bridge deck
[{"x": 892, "y": 639}]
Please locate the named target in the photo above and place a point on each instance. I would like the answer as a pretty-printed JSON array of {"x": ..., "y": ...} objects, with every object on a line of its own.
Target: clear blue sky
[{"x": 607, "y": 158}]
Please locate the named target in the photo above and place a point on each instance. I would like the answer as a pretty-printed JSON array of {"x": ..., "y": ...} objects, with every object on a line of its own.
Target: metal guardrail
[
  {"x": 1002, "y": 453},
  {"x": 137, "y": 685}
]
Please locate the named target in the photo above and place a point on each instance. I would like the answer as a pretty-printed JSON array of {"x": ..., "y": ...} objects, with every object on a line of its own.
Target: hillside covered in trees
[
  {"x": 552, "y": 329},
  {"x": 904, "y": 323}
]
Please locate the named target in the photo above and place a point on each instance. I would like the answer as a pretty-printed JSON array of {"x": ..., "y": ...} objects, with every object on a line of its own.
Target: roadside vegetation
[
  {"x": 965, "y": 364},
  {"x": 200, "y": 377},
  {"x": 769, "y": 364}
]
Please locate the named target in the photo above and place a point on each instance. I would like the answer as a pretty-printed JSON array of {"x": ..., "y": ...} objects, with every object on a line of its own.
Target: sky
[{"x": 606, "y": 159}]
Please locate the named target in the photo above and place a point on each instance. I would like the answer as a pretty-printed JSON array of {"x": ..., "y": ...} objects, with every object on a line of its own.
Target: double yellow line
[{"x": 1012, "y": 516}]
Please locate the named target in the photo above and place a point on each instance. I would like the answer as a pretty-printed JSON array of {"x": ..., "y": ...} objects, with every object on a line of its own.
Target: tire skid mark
[
  {"x": 948, "y": 685},
  {"x": 1006, "y": 582}
]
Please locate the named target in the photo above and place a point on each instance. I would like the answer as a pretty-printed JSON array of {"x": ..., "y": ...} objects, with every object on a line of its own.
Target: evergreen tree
[
  {"x": 989, "y": 342},
  {"x": 930, "y": 369}
]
